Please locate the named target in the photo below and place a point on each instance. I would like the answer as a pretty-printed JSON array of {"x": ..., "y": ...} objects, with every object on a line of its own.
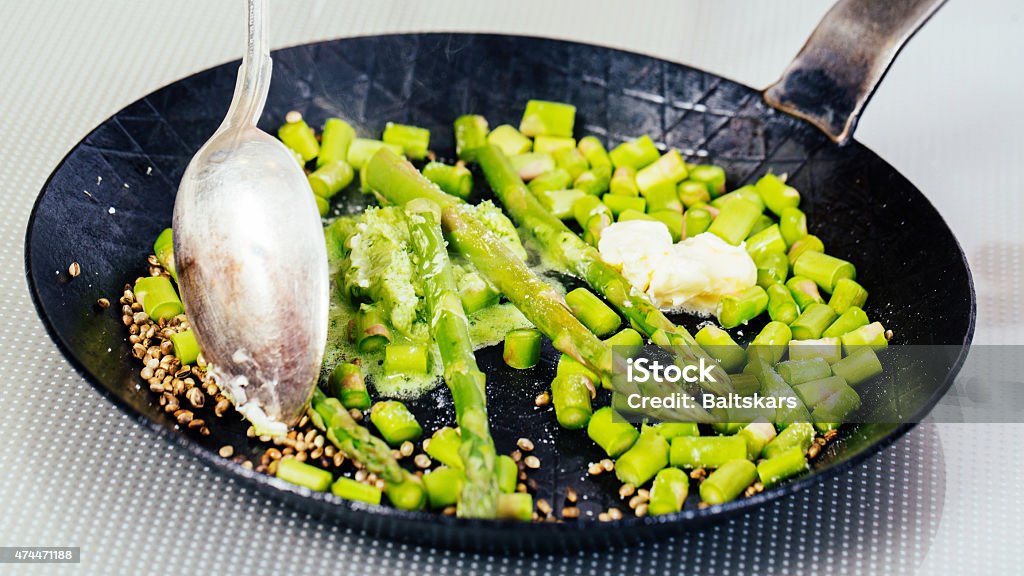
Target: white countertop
[{"x": 947, "y": 115}]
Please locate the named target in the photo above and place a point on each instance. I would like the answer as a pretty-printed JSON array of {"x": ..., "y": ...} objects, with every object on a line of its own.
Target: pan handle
[{"x": 832, "y": 78}]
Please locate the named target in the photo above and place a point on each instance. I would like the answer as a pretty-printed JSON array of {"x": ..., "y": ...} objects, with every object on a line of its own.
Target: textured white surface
[{"x": 75, "y": 471}]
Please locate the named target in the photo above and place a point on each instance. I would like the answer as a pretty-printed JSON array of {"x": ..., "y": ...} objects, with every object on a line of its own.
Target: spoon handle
[{"x": 253, "y": 81}]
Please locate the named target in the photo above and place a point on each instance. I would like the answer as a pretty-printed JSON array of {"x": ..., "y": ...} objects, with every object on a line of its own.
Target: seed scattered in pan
[
  {"x": 516, "y": 455},
  {"x": 75, "y": 269},
  {"x": 222, "y": 407},
  {"x": 406, "y": 449},
  {"x": 532, "y": 462},
  {"x": 604, "y": 517},
  {"x": 293, "y": 116},
  {"x": 571, "y": 495},
  {"x": 422, "y": 461},
  {"x": 615, "y": 514},
  {"x": 183, "y": 416},
  {"x": 525, "y": 444},
  {"x": 543, "y": 507},
  {"x": 542, "y": 399},
  {"x": 448, "y": 511},
  {"x": 644, "y": 493},
  {"x": 813, "y": 451},
  {"x": 196, "y": 398},
  {"x": 520, "y": 487},
  {"x": 608, "y": 465},
  {"x": 698, "y": 473},
  {"x": 626, "y": 490},
  {"x": 247, "y": 465},
  {"x": 226, "y": 451},
  {"x": 888, "y": 335},
  {"x": 641, "y": 511},
  {"x": 103, "y": 303},
  {"x": 196, "y": 423},
  {"x": 635, "y": 502},
  {"x": 570, "y": 512},
  {"x": 595, "y": 469}
]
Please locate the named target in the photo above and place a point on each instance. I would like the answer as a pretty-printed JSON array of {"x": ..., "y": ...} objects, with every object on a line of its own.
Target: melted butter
[{"x": 487, "y": 327}]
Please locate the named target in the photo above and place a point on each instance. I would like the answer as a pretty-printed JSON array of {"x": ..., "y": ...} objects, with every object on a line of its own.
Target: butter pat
[
  {"x": 692, "y": 275},
  {"x": 634, "y": 247}
]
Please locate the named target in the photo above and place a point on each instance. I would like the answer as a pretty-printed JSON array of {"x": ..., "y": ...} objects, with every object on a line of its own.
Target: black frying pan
[{"x": 863, "y": 209}]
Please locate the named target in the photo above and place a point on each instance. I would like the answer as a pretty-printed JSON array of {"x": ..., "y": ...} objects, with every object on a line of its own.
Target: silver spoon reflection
[{"x": 250, "y": 254}]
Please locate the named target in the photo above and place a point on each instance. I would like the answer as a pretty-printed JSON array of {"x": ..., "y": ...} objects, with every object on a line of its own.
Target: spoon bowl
[{"x": 251, "y": 259}]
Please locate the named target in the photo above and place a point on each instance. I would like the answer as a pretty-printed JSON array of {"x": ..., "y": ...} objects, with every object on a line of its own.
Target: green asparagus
[
  {"x": 413, "y": 140},
  {"x": 668, "y": 493},
  {"x": 348, "y": 385},
  {"x": 612, "y": 435},
  {"x": 522, "y": 348},
  {"x": 579, "y": 257},
  {"x": 571, "y": 395},
  {"x": 400, "y": 182},
  {"x": 354, "y": 441},
  {"x": 334, "y": 141},
  {"x": 470, "y": 134},
  {"x": 163, "y": 248},
  {"x": 644, "y": 459},
  {"x": 305, "y": 475},
  {"x": 848, "y": 321},
  {"x": 450, "y": 329},
  {"x": 728, "y": 481}
]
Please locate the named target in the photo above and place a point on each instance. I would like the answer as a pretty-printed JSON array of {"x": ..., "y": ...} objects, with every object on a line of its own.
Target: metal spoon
[{"x": 252, "y": 264}]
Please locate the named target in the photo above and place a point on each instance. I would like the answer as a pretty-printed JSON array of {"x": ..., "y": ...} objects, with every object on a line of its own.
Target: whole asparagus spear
[
  {"x": 450, "y": 329},
  {"x": 398, "y": 182},
  {"x": 584, "y": 261},
  {"x": 404, "y": 489}
]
